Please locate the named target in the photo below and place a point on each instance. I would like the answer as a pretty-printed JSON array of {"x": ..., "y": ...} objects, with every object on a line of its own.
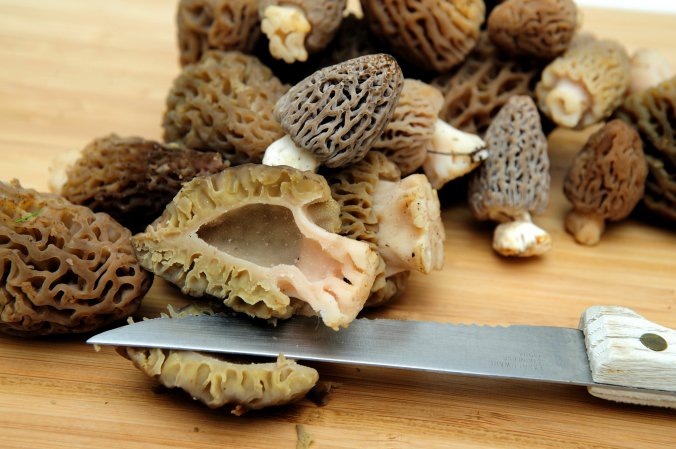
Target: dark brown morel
[
  {"x": 63, "y": 268},
  {"x": 133, "y": 179}
]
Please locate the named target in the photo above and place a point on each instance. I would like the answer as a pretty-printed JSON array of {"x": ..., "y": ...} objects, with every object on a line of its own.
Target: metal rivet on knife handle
[{"x": 654, "y": 342}]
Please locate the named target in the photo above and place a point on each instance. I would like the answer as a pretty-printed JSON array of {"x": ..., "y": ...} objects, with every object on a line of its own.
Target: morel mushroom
[
  {"x": 585, "y": 85},
  {"x": 218, "y": 380},
  {"x": 605, "y": 182},
  {"x": 537, "y": 28},
  {"x": 433, "y": 34},
  {"x": 224, "y": 103},
  {"x": 64, "y": 268},
  {"x": 298, "y": 27},
  {"x": 133, "y": 179},
  {"x": 514, "y": 181},
  {"x": 415, "y": 135},
  {"x": 648, "y": 68},
  {"x": 480, "y": 87},
  {"x": 400, "y": 218},
  {"x": 226, "y": 25},
  {"x": 263, "y": 240},
  {"x": 334, "y": 116},
  {"x": 651, "y": 111}
]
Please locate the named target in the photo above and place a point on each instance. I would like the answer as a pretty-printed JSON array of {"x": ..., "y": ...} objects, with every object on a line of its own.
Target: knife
[{"x": 617, "y": 354}]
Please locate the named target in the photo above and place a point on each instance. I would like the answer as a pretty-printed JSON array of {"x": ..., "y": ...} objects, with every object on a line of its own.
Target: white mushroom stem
[
  {"x": 58, "y": 169},
  {"x": 353, "y": 7},
  {"x": 567, "y": 102},
  {"x": 410, "y": 231},
  {"x": 454, "y": 153},
  {"x": 648, "y": 68},
  {"x": 586, "y": 228},
  {"x": 284, "y": 151},
  {"x": 521, "y": 238},
  {"x": 286, "y": 27}
]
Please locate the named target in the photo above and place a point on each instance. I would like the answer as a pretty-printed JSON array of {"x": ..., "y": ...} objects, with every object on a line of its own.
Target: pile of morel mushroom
[{"x": 304, "y": 144}]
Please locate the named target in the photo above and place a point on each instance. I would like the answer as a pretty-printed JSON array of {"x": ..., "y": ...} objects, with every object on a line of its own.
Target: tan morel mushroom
[
  {"x": 226, "y": 25},
  {"x": 133, "y": 179},
  {"x": 263, "y": 240},
  {"x": 224, "y": 103},
  {"x": 334, "y": 116},
  {"x": 433, "y": 34},
  {"x": 605, "y": 182},
  {"x": 514, "y": 181},
  {"x": 400, "y": 218},
  {"x": 651, "y": 111},
  {"x": 585, "y": 85},
  {"x": 648, "y": 68},
  {"x": 480, "y": 87},
  {"x": 298, "y": 27},
  {"x": 415, "y": 135},
  {"x": 218, "y": 380},
  {"x": 537, "y": 28},
  {"x": 63, "y": 267}
]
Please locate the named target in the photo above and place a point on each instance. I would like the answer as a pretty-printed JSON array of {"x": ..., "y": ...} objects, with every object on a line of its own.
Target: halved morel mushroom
[
  {"x": 224, "y": 25},
  {"x": 224, "y": 103},
  {"x": 63, "y": 268},
  {"x": 537, "y": 28},
  {"x": 334, "y": 116},
  {"x": 476, "y": 91},
  {"x": 263, "y": 240},
  {"x": 648, "y": 68},
  {"x": 585, "y": 85},
  {"x": 296, "y": 28},
  {"x": 399, "y": 218},
  {"x": 651, "y": 111},
  {"x": 219, "y": 380},
  {"x": 415, "y": 137},
  {"x": 514, "y": 181},
  {"x": 433, "y": 34},
  {"x": 605, "y": 182},
  {"x": 132, "y": 179}
]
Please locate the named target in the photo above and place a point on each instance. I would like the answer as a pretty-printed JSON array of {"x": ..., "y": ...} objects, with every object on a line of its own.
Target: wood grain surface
[{"x": 73, "y": 70}]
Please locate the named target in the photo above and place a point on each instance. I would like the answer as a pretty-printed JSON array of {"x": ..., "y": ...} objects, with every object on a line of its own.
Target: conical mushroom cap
[{"x": 339, "y": 111}]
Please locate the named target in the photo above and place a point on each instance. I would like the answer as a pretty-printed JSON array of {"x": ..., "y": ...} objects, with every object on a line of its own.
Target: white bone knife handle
[{"x": 626, "y": 349}]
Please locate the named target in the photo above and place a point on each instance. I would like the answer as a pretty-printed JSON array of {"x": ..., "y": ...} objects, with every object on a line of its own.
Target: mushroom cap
[
  {"x": 408, "y": 135},
  {"x": 225, "y": 25},
  {"x": 433, "y": 34},
  {"x": 324, "y": 16},
  {"x": 648, "y": 68},
  {"x": 599, "y": 69},
  {"x": 651, "y": 111},
  {"x": 353, "y": 188},
  {"x": 263, "y": 240},
  {"x": 133, "y": 179},
  {"x": 224, "y": 103},
  {"x": 608, "y": 174},
  {"x": 515, "y": 177},
  {"x": 539, "y": 28},
  {"x": 218, "y": 380},
  {"x": 64, "y": 268},
  {"x": 476, "y": 91},
  {"x": 339, "y": 111}
]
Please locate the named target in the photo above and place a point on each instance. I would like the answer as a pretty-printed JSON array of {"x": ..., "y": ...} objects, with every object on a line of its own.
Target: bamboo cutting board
[{"x": 79, "y": 69}]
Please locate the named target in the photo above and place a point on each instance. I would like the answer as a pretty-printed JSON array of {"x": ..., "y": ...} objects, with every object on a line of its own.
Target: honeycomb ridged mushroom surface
[
  {"x": 514, "y": 181},
  {"x": 225, "y": 25},
  {"x": 68, "y": 269},
  {"x": 337, "y": 113},
  {"x": 133, "y": 179},
  {"x": 296, "y": 28},
  {"x": 605, "y": 181},
  {"x": 585, "y": 85},
  {"x": 224, "y": 103},
  {"x": 432, "y": 34},
  {"x": 215, "y": 238},
  {"x": 537, "y": 28}
]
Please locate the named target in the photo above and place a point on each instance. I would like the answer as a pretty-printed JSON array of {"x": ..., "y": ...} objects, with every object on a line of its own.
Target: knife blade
[{"x": 534, "y": 353}]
